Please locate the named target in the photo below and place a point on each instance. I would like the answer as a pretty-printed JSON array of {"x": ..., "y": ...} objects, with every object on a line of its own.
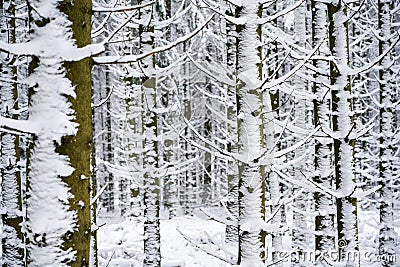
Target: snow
[{"x": 120, "y": 242}]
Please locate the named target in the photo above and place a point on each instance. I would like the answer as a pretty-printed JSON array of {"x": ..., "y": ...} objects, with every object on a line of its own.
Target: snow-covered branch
[
  {"x": 135, "y": 58},
  {"x": 121, "y": 8}
]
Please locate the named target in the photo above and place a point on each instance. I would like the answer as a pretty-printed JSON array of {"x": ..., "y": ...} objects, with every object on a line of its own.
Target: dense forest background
[{"x": 272, "y": 123}]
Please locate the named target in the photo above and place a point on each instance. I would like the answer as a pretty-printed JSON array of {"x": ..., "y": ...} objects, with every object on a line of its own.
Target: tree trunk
[
  {"x": 387, "y": 129},
  {"x": 324, "y": 220},
  {"x": 11, "y": 198},
  {"x": 79, "y": 147},
  {"x": 151, "y": 181},
  {"x": 250, "y": 138},
  {"x": 232, "y": 230},
  {"x": 342, "y": 124}
]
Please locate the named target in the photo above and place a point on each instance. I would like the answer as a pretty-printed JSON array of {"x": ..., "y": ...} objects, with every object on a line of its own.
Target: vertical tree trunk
[
  {"x": 232, "y": 230},
  {"x": 150, "y": 178},
  {"x": 387, "y": 129},
  {"x": 324, "y": 220},
  {"x": 342, "y": 124},
  {"x": 11, "y": 198},
  {"x": 250, "y": 137},
  {"x": 58, "y": 204},
  {"x": 79, "y": 147},
  {"x": 300, "y": 231},
  {"x": 274, "y": 188}
]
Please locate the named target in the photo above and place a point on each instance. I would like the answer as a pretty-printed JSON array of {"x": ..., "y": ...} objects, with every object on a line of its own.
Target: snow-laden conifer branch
[
  {"x": 368, "y": 66},
  {"x": 135, "y": 58},
  {"x": 219, "y": 219},
  {"x": 203, "y": 249},
  {"x": 103, "y": 100},
  {"x": 270, "y": 84},
  {"x": 118, "y": 28},
  {"x": 121, "y": 8},
  {"x": 55, "y": 48},
  {"x": 298, "y": 144},
  {"x": 217, "y": 152},
  {"x": 21, "y": 126},
  {"x": 216, "y": 76},
  {"x": 182, "y": 10},
  {"x": 281, "y": 13}
]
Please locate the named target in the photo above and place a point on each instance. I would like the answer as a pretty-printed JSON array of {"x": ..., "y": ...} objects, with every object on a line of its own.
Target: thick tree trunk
[
  {"x": 342, "y": 126},
  {"x": 79, "y": 147}
]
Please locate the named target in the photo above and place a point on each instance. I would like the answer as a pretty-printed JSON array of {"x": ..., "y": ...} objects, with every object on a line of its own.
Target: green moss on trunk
[{"x": 78, "y": 148}]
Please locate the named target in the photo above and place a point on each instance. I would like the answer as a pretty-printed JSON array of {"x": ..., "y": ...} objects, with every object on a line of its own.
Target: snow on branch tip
[
  {"x": 64, "y": 50},
  {"x": 121, "y": 8}
]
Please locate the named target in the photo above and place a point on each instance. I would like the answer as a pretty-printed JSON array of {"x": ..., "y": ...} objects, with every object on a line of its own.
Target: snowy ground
[
  {"x": 120, "y": 243},
  {"x": 191, "y": 240}
]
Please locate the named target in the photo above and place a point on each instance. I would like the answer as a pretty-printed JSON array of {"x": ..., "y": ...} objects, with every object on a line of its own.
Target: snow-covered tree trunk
[
  {"x": 300, "y": 231},
  {"x": 388, "y": 172},
  {"x": 58, "y": 205},
  {"x": 324, "y": 220},
  {"x": 250, "y": 137},
  {"x": 107, "y": 143},
  {"x": 93, "y": 260},
  {"x": 272, "y": 109},
  {"x": 342, "y": 126},
  {"x": 151, "y": 181},
  {"x": 11, "y": 193},
  {"x": 48, "y": 217},
  {"x": 232, "y": 234},
  {"x": 188, "y": 182}
]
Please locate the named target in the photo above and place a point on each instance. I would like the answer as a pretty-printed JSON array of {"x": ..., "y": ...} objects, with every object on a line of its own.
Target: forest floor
[
  {"x": 185, "y": 241},
  {"x": 197, "y": 241}
]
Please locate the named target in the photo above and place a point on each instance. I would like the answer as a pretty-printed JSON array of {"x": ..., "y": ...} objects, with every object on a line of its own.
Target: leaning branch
[
  {"x": 376, "y": 61},
  {"x": 96, "y": 197},
  {"x": 121, "y": 8},
  {"x": 135, "y": 58},
  {"x": 282, "y": 13},
  {"x": 270, "y": 84},
  {"x": 68, "y": 53},
  {"x": 202, "y": 249},
  {"x": 12, "y": 125}
]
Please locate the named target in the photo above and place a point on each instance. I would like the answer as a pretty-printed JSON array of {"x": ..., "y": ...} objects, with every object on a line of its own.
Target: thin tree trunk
[
  {"x": 232, "y": 230},
  {"x": 387, "y": 129},
  {"x": 11, "y": 198},
  {"x": 151, "y": 181}
]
